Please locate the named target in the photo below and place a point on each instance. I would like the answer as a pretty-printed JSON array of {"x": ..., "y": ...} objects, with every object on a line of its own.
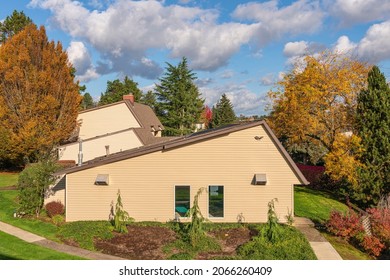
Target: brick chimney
[{"x": 129, "y": 97}]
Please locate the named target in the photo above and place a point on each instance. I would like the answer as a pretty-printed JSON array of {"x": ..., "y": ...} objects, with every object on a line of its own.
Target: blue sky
[{"x": 240, "y": 48}]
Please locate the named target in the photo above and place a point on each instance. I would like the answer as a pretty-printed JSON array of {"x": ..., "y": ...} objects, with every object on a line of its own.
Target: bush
[
  {"x": 54, "y": 208},
  {"x": 350, "y": 228},
  {"x": 121, "y": 217},
  {"x": 346, "y": 226},
  {"x": 58, "y": 220},
  {"x": 372, "y": 245},
  {"x": 32, "y": 184}
]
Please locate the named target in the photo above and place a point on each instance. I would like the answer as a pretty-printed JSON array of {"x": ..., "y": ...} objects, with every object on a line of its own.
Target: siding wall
[
  {"x": 96, "y": 147},
  {"x": 147, "y": 182},
  {"x": 106, "y": 120}
]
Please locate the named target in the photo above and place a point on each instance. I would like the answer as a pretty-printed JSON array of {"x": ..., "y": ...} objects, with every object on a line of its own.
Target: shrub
[
  {"x": 372, "y": 245},
  {"x": 32, "y": 184},
  {"x": 346, "y": 226},
  {"x": 380, "y": 224},
  {"x": 54, "y": 208},
  {"x": 195, "y": 229},
  {"x": 58, "y": 220}
]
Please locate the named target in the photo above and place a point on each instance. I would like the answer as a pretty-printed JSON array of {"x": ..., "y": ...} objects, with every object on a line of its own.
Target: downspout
[{"x": 80, "y": 162}]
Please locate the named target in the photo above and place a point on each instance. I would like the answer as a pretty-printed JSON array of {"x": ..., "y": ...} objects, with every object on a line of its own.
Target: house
[
  {"x": 240, "y": 168},
  {"x": 112, "y": 128}
]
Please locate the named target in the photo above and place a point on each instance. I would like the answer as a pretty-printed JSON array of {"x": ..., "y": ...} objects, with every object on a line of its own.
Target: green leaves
[
  {"x": 223, "y": 112},
  {"x": 116, "y": 89},
  {"x": 179, "y": 104}
]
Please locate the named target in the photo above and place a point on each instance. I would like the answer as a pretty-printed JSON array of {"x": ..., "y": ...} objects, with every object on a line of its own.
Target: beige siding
[
  {"x": 57, "y": 191},
  {"x": 147, "y": 182},
  {"x": 93, "y": 148},
  {"x": 106, "y": 120}
]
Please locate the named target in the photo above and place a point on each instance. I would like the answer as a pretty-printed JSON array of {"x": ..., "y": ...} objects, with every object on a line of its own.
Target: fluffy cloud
[
  {"x": 350, "y": 12},
  {"x": 124, "y": 31},
  {"x": 79, "y": 57},
  {"x": 244, "y": 100},
  {"x": 295, "y": 48},
  {"x": 375, "y": 46},
  {"x": 302, "y": 16}
]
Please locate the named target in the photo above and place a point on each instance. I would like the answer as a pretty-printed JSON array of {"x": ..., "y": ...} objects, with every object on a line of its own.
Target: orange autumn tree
[
  {"x": 315, "y": 104},
  {"x": 39, "y": 98}
]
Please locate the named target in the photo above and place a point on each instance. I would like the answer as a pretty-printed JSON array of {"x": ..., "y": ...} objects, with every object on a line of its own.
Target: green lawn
[
  {"x": 8, "y": 179},
  {"x": 315, "y": 205},
  {"x": 8, "y": 205},
  {"x": 13, "y": 248}
]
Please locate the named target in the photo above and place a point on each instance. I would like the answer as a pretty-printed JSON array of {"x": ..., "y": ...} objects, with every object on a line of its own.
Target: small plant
[
  {"x": 54, "y": 208},
  {"x": 372, "y": 245},
  {"x": 195, "y": 227},
  {"x": 289, "y": 217},
  {"x": 58, "y": 220},
  {"x": 121, "y": 217},
  {"x": 271, "y": 230}
]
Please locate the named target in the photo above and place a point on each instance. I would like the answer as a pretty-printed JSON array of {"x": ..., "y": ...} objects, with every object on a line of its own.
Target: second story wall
[{"x": 109, "y": 119}]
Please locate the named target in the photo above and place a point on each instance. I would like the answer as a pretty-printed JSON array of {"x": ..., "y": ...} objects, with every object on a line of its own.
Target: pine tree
[
  {"x": 87, "y": 102},
  {"x": 116, "y": 89},
  {"x": 373, "y": 124},
  {"x": 39, "y": 99},
  {"x": 179, "y": 103},
  {"x": 12, "y": 25},
  {"x": 149, "y": 99},
  {"x": 223, "y": 112}
]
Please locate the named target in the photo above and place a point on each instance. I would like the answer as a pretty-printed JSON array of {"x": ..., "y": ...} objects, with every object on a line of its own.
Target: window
[
  {"x": 216, "y": 201},
  {"x": 182, "y": 200}
]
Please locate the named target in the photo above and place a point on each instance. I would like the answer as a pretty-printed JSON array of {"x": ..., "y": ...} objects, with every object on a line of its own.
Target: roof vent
[
  {"x": 260, "y": 179},
  {"x": 102, "y": 180}
]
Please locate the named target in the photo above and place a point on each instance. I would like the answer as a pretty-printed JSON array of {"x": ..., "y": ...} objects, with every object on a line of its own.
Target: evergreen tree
[
  {"x": 373, "y": 123},
  {"x": 87, "y": 102},
  {"x": 179, "y": 103},
  {"x": 149, "y": 99},
  {"x": 223, "y": 112},
  {"x": 12, "y": 25},
  {"x": 116, "y": 89}
]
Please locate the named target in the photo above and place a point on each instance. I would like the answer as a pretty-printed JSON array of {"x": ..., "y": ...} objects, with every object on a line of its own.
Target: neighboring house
[
  {"x": 240, "y": 167},
  {"x": 112, "y": 128}
]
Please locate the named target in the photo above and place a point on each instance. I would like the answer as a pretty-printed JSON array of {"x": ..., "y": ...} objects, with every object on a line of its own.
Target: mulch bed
[{"x": 147, "y": 242}]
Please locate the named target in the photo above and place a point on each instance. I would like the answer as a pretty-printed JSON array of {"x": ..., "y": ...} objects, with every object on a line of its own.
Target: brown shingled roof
[{"x": 183, "y": 141}]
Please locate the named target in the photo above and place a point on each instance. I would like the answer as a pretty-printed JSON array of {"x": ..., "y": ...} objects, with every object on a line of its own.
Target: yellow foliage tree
[
  {"x": 316, "y": 103},
  {"x": 39, "y": 98}
]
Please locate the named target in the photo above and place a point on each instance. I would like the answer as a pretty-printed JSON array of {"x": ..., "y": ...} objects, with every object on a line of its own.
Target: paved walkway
[
  {"x": 41, "y": 241},
  {"x": 321, "y": 247}
]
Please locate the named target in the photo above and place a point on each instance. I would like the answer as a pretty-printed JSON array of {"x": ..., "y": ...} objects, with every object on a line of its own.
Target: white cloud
[
  {"x": 273, "y": 23},
  {"x": 351, "y": 12},
  {"x": 81, "y": 60},
  {"x": 344, "y": 45},
  {"x": 123, "y": 31},
  {"x": 295, "y": 48},
  {"x": 227, "y": 74},
  {"x": 268, "y": 79},
  {"x": 375, "y": 46},
  {"x": 244, "y": 100}
]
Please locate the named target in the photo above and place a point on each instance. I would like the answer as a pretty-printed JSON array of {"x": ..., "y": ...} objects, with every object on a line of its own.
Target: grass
[
  {"x": 8, "y": 204},
  {"x": 316, "y": 205},
  {"x": 8, "y": 179},
  {"x": 13, "y": 248},
  {"x": 84, "y": 232}
]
